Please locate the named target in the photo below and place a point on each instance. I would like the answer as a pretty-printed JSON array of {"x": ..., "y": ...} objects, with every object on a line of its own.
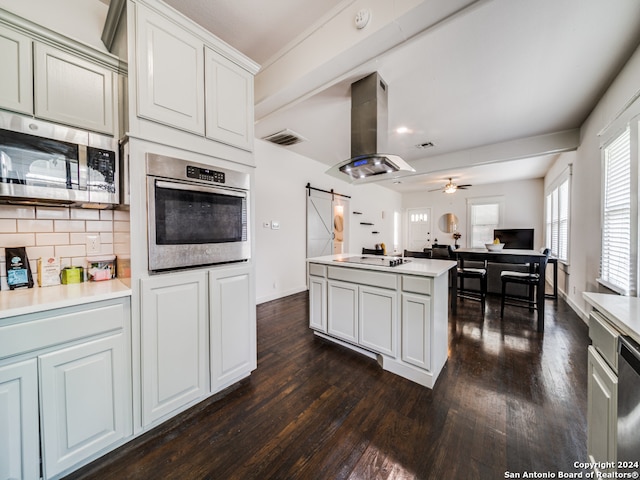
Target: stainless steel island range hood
[{"x": 369, "y": 134}]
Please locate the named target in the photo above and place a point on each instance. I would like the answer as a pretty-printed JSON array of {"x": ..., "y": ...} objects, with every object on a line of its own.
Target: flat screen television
[{"x": 521, "y": 238}]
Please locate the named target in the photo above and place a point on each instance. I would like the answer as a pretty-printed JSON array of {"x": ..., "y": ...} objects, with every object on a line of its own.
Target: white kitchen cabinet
[
  {"x": 342, "y": 310},
  {"x": 174, "y": 339},
  {"x": 318, "y": 303},
  {"x": 170, "y": 72},
  {"x": 65, "y": 387},
  {"x": 16, "y": 81},
  {"x": 229, "y": 101},
  {"x": 84, "y": 401},
  {"x": 73, "y": 91},
  {"x": 377, "y": 319},
  {"x": 232, "y": 325},
  {"x": 602, "y": 409},
  {"x": 416, "y": 330},
  {"x": 19, "y": 435}
]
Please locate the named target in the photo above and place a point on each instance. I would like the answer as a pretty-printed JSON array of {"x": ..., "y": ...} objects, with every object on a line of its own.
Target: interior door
[
  {"x": 320, "y": 232},
  {"x": 418, "y": 229}
]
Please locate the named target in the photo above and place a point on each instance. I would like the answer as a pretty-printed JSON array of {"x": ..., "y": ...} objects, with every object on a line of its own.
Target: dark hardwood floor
[{"x": 509, "y": 399}]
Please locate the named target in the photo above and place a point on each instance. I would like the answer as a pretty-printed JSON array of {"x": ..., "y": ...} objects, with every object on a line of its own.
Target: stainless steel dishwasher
[{"x": 628, "y": 403}]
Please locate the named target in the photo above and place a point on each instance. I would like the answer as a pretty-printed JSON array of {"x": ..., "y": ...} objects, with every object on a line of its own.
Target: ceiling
[{"x": 498, "y": 86}]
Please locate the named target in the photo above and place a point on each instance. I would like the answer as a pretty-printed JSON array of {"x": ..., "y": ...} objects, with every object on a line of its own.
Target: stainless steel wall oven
[{"x": 197, "y": 214}]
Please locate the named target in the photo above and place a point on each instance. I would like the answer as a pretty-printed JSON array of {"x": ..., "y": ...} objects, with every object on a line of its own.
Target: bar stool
[
  {"x": 473, "y": 273},
  {"x": 530, "y": 279}
]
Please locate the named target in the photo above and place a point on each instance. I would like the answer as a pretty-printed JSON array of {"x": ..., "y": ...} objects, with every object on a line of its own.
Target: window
[
  {"x": 484, "y": 216},
  {"x": 619, "y": 217},
  {"x": 557, "y": 216}
]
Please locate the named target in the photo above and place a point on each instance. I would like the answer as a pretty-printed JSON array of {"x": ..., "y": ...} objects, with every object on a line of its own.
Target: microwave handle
[
  {"x": 198, "y": 188},
  {"x": 83, "y": 174}
]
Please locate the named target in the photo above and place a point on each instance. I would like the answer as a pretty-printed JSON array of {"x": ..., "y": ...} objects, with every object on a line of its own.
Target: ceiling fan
[{"x": 451, "y": 187}]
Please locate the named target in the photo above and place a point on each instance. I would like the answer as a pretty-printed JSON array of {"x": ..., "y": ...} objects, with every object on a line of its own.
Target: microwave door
[{"x": 38, "y": 168}]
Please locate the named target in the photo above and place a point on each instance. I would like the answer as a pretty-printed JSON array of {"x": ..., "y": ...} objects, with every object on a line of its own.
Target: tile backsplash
[{"x": 61, "y": 232}]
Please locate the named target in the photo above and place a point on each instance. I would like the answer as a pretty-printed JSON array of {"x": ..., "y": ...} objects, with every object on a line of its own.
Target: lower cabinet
[
  {"x": 377, "y": 319},
  {"x": 602, "y": 410},
  {"x": 342, "y": 310},
  {"x": 232, "y": 325},
  {"x": 363, "y": 315},
  {"x": 175, "y": 350},
  {"x": 67, "y": 395},
  {"x": 318, "y": 303},
  {"x": 198, "y": 336},
  {"x": 416, "y": 330},
  {"x": 19, "y": 436},
  {"x": 82, "y": 388}
]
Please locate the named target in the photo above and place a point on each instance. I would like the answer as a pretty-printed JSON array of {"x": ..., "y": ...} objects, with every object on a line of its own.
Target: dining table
[{"x": 536, "y": 260}]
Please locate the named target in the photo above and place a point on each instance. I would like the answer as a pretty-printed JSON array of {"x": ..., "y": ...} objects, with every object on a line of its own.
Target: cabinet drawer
[
  {"x": 317, "y": 270},
  {"x": 363, "y": 277},
  {"x": 423, "y": 285},
  {"x": 60, "y": 326},
  {"x": 604, "y": 338}
]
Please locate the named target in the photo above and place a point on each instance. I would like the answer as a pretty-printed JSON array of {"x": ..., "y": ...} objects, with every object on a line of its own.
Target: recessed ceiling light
[{"x": 402, "y": 130}]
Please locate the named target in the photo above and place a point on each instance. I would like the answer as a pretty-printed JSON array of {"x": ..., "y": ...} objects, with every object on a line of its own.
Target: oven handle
[{"x": 190, "y": 187}]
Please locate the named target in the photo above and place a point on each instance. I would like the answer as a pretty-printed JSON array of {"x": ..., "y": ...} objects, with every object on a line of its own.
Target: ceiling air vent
[{"x": 285, "y": 138}]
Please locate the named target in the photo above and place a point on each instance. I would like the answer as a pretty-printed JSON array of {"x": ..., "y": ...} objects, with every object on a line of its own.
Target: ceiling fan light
[{"x": 450, "y": 189}]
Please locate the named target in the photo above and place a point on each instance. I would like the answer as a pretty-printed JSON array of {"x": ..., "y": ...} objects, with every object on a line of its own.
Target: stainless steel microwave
[
  {"x": 197, "y": 214},
  {"x": 54, "y": 164}
]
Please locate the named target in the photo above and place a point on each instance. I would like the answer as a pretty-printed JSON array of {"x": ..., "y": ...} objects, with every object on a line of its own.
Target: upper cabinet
[
  {"x": 170, "y": 73},
  {"x": 73, "y": 91},
  {"x": 229, "y": 101},
  {"x": 189, "y": 80},
  {"x": 16, "y": 81},
  {"x": 55, "y": 78}
]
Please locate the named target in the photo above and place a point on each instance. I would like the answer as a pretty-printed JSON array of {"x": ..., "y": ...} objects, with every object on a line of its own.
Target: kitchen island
[{"x": 391, "y": 309}]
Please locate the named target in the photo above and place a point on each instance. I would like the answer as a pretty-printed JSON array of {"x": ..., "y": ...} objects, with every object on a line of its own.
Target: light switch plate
[{"x": 275, "y": 225}]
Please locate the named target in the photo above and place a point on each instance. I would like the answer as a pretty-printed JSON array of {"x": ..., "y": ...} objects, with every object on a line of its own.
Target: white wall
[
  {"x": 585, "y": 241},
  {"x": 280, "y": 195},
  {"x": 80, "y": 20},
  {"x": 524, "y": 201}
]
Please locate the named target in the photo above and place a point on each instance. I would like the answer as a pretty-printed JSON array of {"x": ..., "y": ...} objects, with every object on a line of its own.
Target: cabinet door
[
  {"x": 416, "y": 330},
  {"x": 170, "y": 70},
  {"x": 16, "y": 81},
  {"x": 174, "y": 342},
  {"x": 342, "y": 310},
  {"x": 84, "y": 401},
  {"x": 318, "y": 303},
  {"x": 73, "y": 91},
  {"x": 229, "y": 101},
  {"x": 602, "y": 409},
  {"x": 233, "y": 325},
  {"x": 377, "y": 319},
  {"x": 19, "y": 436}
]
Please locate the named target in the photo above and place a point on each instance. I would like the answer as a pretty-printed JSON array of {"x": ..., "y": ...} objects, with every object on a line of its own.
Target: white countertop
[
  {"x": 417, "y": 266},
  {"x": 37, "y": 299},
  {"x": 624, "y": 312}
]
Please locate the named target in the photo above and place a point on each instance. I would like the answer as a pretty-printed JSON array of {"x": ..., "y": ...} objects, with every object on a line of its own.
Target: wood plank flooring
[{"x": 509, "y": 399}]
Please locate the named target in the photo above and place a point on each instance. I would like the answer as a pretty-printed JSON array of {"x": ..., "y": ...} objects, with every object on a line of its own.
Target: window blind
[{"x": 616, "y": 269}]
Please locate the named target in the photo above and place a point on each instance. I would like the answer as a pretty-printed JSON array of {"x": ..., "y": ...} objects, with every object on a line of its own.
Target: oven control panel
[{"x": 205, "y": 174}]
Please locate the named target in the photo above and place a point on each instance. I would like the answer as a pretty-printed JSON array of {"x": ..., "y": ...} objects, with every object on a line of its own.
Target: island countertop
[{"x": 415, "y": 266}]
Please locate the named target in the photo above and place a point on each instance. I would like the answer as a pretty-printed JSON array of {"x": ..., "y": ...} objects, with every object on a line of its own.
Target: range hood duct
[{"x": 369, "y": 134}]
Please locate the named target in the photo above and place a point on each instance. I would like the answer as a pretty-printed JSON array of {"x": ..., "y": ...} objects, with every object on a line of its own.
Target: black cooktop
[{"x": 374, "y": 260}]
